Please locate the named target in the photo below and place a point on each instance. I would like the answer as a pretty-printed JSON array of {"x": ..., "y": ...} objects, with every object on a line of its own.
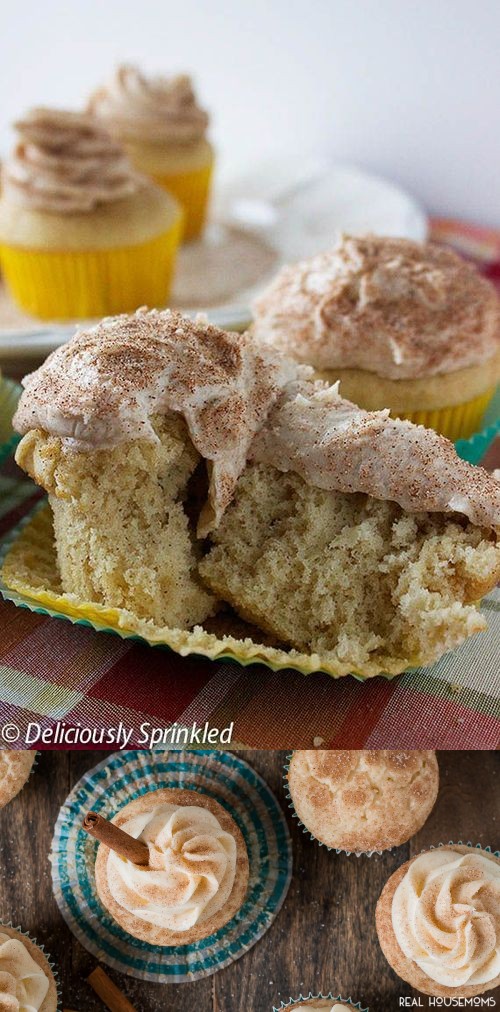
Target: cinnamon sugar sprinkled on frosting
[
  {"x": 391, "y": 306},
  {"x": 66, "y": 163},
  {"x": 334, "y": 445},
  {"x": 103, "y": 386},
  {"x": 157, "y": 110}
]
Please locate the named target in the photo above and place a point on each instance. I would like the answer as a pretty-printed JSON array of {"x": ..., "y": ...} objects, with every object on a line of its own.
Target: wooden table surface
[{"x": 324, "y": 937}]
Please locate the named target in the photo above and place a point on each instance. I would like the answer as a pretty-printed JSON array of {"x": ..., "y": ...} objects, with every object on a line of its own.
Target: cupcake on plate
[
  {"x": 161, "y": 125},
  {"x": 438, "y": 922},
  {"x": 403, "y": 325},
  {"x": 190, "y": 466},
  {"x": 82, "y": 234},
  {"x": 15, "y": 769},
  {"x": 365, "y": 800},
  {"x": 196, "y": 876},
  {"x": 26, "y": 978}
]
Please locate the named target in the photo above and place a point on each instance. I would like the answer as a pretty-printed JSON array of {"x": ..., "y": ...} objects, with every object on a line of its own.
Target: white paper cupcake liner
[
  {"x": 48, "y": 957},
  {"x": 334, "y": 850},
  {"x": 124, "y": 776},
  {"x": 310, "y": 997}
]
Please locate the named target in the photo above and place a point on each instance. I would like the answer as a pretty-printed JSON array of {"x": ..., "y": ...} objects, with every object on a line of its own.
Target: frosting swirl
[
  {"x": 191, "y": 872},
  {"x": 158, "y": 110},
  {"x": 337, "y": 446},
  {"x": 66, "y": 163},
  {"x": 23, "y": 984},
  {"x": 446, "y": 916},
  {"x": 397, "y": 308},
  {"x": 103, "y": 386}
]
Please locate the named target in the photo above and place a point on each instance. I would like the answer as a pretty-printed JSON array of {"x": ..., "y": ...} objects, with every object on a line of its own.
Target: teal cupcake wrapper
[
  {"x": 48, "y": 957},
  {"x": 10, "y": 393},
  {"x": 334, "y": 850},
  {"x": 474, "y": 448},
  {"x": 126, "y": 775},
  {"x": 292, "y": 1003}
]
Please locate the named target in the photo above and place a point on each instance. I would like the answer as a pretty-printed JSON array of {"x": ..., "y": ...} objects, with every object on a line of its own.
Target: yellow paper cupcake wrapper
[
  {"x": 458, "y": 422},
  {"x": 53, "y": 285},
  {"x": 29, "y": 578},
  {"x": 192, "y": 190}
]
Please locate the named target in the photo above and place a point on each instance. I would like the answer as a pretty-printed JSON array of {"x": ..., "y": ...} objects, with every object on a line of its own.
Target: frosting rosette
[
  {"x": 446, "y": 917},
  {"x": 23, "y": 984},
  {"x": 158, "y": 110},
  {"x": 191, "y": 872},
  {"x": 65, "y": 162}
]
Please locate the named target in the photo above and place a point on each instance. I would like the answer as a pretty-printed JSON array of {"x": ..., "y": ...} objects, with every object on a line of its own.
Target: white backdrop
[{"x": 409, "y": 88}]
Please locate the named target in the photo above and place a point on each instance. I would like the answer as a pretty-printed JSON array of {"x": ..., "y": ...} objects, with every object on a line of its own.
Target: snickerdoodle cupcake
[
  {"x": 321, "y": 1004},
  {"x": 403, "y": 325},
  {"x": 15, "y": 769},
  {"x": 363, "y": 800},
  {"x": 163, "y": 128},
  {"x": 438, "y": 922},
  {"x": 27, "y": 982},
  {"x": 82, "y": 234},
  {"x": 197, "y": 876}
]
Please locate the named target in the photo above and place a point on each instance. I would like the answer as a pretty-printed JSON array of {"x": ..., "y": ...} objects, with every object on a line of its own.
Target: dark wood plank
[{"x": 324, "y": 936}]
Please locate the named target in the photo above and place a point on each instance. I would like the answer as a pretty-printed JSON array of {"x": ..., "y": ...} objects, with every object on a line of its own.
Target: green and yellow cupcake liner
[
  {"x": 72, "y": 285},
  {"x": 457, "y": 422}
]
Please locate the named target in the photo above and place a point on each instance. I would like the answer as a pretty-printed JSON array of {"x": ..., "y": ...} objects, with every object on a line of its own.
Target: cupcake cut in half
[
  {"x": 197, "y": 877},
  {"x": 82, "y": 234},
  {"x": 15, "y": 769},
  {"x": 188, "y": 467},
  {"x": 26, "y": 977},
  {"x": 403, "y": 325},
  {"x": 162, "y": 127},
  {"x": 438, "y": 922},
  {"x": 361, "y": 800}
]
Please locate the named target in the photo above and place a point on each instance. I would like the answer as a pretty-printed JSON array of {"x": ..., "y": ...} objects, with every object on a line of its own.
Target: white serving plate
[{"x": 300, "y": 217}]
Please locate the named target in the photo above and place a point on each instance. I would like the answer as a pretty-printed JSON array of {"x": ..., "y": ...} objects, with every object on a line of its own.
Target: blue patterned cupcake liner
[
  {"x": 48, "y": 957},
  {"x": 296, "y": 1002},
  {"x": 124, "y": 776},
  {"x": 334, "y": 850},
  {"x": 10, "y": 393}
]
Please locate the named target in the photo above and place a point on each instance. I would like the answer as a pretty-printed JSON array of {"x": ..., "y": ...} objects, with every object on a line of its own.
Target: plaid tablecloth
[{"x": 54, "y": 673}]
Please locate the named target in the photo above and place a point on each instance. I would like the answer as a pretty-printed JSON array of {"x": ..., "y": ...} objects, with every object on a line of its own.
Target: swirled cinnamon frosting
[
  {"x": 394, "y": 307},
  {"x": 23, "y": 984},
  {"x": 103, "y": 387},
  {"x": 158, "y": 110},
  {"x": 335, "y": 445},
  {"x": 65, "y": 162},
  {"x": 242, "y": 401},
  {"x": 446, "y": 916},
  {"x": 191, "y": 870}
]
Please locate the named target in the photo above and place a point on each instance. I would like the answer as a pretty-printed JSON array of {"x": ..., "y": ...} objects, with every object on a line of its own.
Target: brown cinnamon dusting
[{"x": 116, "y": 839}]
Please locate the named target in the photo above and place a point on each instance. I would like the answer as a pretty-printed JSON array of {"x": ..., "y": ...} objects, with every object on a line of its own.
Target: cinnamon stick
[
  {"x": 108, "y": 992},
  {"x": 116, "y": 839}
]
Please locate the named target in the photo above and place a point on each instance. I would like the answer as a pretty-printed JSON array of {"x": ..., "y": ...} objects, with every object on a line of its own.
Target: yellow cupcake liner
[
  {"x": 29, "y": 578},
  {"x": 192, "y": 190},
  {"x": 56, "y": 285},
  {"x": 457, "y": 422}
]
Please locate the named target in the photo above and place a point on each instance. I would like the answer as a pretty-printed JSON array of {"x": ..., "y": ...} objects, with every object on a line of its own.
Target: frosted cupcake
[
  {"x": 322, "y": 1005},
  {"x": 82, "y": 234},
  {"x": 138, "y": 430},
  {"x": 406, "y": 326},
  {"x": 26, "y": 978},
  {"x": 363, "y": 801},
  {"x": 362, "y": 541},
  {"x": 195, "y": 872},
  {"x": 438, "y": 922},
  {"x": 163, "y": 128},
  {"x": 15, "y": 768}
]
